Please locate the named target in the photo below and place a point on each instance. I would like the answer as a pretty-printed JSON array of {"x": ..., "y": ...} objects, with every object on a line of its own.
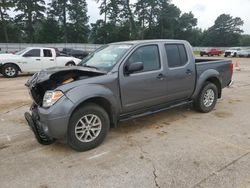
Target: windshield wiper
[{"x": 89, "y": 66}]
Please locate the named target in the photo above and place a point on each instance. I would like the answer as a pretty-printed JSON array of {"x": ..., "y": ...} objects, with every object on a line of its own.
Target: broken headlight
[{"x": 51, "y": 97}]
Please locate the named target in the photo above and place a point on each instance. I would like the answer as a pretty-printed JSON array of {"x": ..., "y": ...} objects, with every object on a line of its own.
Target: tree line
[{"x": 64, "y": 21}]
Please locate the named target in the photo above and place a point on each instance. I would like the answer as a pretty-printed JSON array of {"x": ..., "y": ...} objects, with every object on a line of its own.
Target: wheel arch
[
  {"x": 102, "y": 102},
  {"x": 19, "y": 69},
  {"x": 208, "y": 76},
  {"x": 216, "y": 82}
]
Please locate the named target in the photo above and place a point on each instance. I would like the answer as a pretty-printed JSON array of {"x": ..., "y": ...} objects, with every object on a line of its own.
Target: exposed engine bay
[{"x": 50, "y": 79}]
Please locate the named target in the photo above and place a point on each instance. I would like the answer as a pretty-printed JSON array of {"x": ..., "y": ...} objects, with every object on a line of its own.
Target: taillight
[{"x": 232, "y": 69}]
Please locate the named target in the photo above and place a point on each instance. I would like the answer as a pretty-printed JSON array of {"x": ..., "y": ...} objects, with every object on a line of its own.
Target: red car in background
[{"x": 211, "y": 52}]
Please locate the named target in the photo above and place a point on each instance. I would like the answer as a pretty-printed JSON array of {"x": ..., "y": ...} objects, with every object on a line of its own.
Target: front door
[
  {"x": 144, "y": 88},
  {"x": 31, "y": 61}
]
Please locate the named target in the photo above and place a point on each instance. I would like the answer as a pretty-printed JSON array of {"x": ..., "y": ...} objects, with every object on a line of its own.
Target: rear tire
[
  {"x": 10, "y": 71},
  {"x": 207, "y": 98},
  {"x": 88, "y": 127}
]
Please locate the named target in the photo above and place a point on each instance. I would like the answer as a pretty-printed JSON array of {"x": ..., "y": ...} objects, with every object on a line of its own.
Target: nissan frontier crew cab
[{"x": 121, "y": 81}]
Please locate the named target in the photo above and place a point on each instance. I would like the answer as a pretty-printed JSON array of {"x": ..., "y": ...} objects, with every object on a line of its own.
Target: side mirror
[{"x": 134, "y": 67}]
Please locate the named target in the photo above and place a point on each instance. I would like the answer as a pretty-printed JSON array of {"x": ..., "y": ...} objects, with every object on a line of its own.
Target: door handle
[
  {"x": 51, "y": 59},
  {"x": 189, "y": 72},
  {"x": 161, "y": 76},
  {"x": 38, "y": 59}
]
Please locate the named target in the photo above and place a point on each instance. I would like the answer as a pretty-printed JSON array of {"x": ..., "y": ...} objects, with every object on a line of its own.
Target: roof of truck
[{"x": 147, "y": 41}]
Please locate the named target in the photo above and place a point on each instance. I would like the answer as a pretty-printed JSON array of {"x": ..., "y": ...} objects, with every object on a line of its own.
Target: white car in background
[
  {"x": 232, "y": 52},
  {"x": 244, "y": 53},
  {"x": 33, "y": 59}
]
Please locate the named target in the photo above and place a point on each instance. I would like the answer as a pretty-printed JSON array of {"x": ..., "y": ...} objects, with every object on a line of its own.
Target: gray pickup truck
[{"x": 118, "y": 82}]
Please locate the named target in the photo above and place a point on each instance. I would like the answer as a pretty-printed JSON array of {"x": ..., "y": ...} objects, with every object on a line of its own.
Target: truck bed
[{"x": 223, "y": 66}]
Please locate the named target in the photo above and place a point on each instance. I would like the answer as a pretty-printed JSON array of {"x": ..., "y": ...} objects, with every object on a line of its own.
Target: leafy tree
[
  {"x": 49, "y": 31},
  {"x": 186, "y": 28},
  {"x": 152, "y": 6},
  {"x": 67, "y": 21},
  {"x": 31, "y": 12},
  {"x": 167, "y": 18},
  {"x": 14, "y": 32},
  {"x": 4, "y": 6},
  {"x": 103, "y": 9},
  {"x": 102, "y": 33},
  {"x": 118, "y": 15},
  {"x": 111, "y": 10},
  {"x": 244, "y": 40},
  {"x": 141, "y": 11},
  {"x": 128, "y": 17},
  {"x": 186, "y": 22},
  {"x": 59, "y": 9},
  {"x": 98, "y": 32},
  {"x": 79, "y": 28},
  {"x": 226, "y": 31},
  {"x": 194, "y": 37}
]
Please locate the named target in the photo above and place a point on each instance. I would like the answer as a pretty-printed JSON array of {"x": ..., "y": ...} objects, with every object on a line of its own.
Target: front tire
[
  {"x": 88, "y": 127},
  {"x": 10, "y": 71},
  {"x": 207, "y": 98}
]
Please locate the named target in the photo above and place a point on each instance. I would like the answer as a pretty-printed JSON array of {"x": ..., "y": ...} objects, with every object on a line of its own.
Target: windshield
[
  {"x": 20, "y": 52},
  {"x": 105, "y": 57}
]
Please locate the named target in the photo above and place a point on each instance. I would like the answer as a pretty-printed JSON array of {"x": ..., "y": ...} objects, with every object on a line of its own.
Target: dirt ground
[{"x": 176, "y": 148}]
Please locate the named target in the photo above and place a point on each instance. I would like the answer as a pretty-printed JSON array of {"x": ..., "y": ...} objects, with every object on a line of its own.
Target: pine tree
[
  {"x": 78, "y": 18},
  {"x": 31, "y": 12},
  {"x": 59, "y": 8},
  {"x": 4, "y": 6}
]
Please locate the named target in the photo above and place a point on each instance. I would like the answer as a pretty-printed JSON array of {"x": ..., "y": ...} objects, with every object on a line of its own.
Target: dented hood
[
  {"x": 50, "y": 79},
  {"x": 47, "y": 74}
]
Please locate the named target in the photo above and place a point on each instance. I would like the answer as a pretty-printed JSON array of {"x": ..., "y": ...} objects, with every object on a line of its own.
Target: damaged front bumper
[
  {"x": 51, "y": 123},
  {"x": 37, "y": 129}
]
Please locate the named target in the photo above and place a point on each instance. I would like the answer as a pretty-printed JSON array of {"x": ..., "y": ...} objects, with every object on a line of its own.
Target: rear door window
[
  {"x": 47, "y": 53},
  {"x": 176, "y": 54}
]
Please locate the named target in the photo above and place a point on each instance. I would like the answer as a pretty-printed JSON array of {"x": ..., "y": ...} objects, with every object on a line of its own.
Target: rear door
[
  {"x": 181, "y": 72},
  {"x": 147, "y": 87},
  {"x": 48, "y": 59},
  {"x": 31, "y": 60}
]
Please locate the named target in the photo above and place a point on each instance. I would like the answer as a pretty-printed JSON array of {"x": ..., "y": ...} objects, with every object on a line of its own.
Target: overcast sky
[{"x": 205, "y": 10}]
